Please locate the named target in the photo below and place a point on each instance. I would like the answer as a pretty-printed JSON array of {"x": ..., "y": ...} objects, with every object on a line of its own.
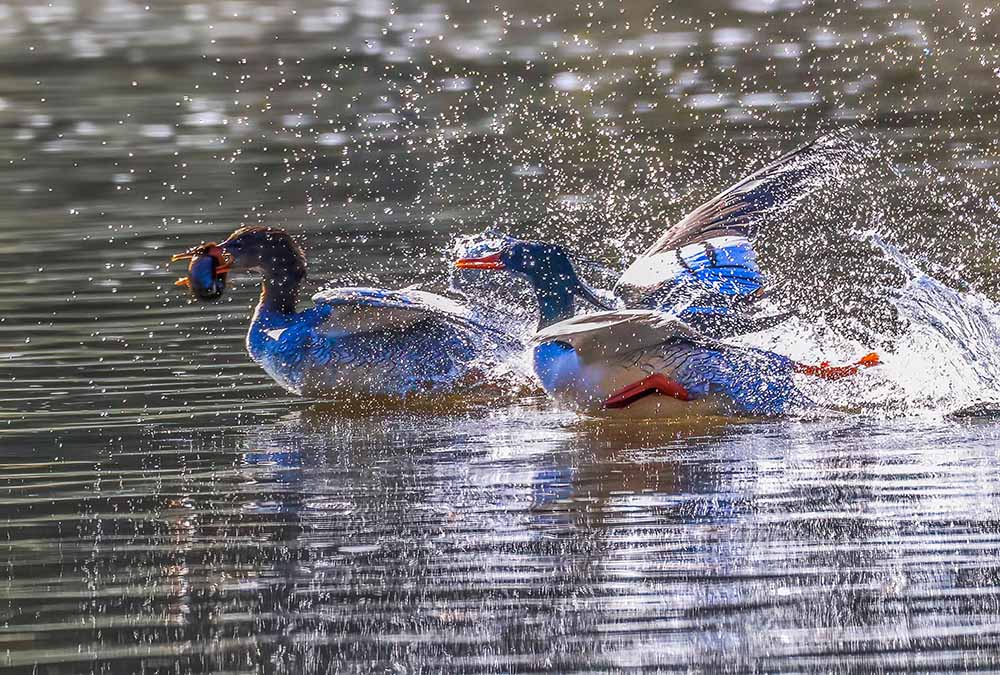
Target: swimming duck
[
  {"x": 663, "y": 353},
  {"x": 358, "y": 341}
]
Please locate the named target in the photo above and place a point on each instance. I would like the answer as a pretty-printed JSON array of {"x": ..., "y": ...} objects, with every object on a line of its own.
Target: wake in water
[{"x": 949, "y": 357}]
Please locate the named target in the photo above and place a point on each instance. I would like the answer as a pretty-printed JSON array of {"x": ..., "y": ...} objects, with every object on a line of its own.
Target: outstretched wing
[
  {"x": 598, "y": 336},
  {"x": 706, "y": 259},
  {"x": 359, "y": 309}
]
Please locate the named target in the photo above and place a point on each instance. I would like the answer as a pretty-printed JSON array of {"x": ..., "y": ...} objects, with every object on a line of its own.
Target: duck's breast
[
  {"x": 281, "y": 350},
  {"x": 566, "y": 378}
]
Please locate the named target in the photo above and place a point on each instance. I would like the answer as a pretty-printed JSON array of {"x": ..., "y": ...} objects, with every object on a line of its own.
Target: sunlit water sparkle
[{"x": 167, "y": 508}]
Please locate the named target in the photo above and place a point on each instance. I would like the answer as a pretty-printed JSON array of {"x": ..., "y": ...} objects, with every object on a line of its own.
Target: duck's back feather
[
  {"x": 359, "y": 309},
  {"x": 603, "y": 335}
]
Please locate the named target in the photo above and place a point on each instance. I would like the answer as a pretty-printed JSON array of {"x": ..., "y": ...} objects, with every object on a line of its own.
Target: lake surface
[{"x": 167, "y": 508}]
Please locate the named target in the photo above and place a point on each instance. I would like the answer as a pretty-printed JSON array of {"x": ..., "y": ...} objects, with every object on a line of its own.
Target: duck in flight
[{"x": 664, "y": 354}]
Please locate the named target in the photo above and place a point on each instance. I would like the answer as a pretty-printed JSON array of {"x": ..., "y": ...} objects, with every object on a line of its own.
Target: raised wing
[
  {"x": 602, "y": 335},
  {"x": 361, "y": 309},
  {"x": 706, "y": 259}
]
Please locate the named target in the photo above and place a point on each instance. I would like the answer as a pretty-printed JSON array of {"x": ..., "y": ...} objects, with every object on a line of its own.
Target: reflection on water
[
  {"x": 515, "y": 539},
  {"x": 166, "y": 507}
]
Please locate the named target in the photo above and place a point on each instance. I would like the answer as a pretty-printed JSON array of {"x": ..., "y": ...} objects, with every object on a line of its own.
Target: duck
[
  {"x": 659, "y": 346},
  {"x": 352, "y": 341}
]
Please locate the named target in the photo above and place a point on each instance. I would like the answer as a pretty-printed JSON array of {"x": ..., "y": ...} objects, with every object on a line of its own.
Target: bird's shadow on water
[{"x": 348, "y": 406}]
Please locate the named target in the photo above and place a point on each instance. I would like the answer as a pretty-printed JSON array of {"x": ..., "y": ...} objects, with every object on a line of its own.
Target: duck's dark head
[
  {"x": 270, "y": 251},
  {"x": 548, "y": 268}
]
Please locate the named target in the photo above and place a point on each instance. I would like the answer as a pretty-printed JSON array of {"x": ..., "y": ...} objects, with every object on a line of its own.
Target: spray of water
[
  {"x": 945, "y": 361},
  {"x": 939, "y": 349}
]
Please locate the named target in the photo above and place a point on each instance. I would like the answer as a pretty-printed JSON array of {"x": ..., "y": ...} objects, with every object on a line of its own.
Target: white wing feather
[
  {"x": 364, "y": 309},
  {"x": 596, "y": 337}
]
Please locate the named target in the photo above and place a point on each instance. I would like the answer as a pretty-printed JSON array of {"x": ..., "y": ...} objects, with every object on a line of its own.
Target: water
[
  {"x": 519, "y": 539},
  {"x": 168, "y": 509}
]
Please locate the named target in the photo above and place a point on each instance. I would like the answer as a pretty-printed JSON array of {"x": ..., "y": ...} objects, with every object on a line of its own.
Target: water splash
[
  {"x": 947, "y": 357},
  {"x": 943, "y": 360},
  {"x": 502, "y": 302}
]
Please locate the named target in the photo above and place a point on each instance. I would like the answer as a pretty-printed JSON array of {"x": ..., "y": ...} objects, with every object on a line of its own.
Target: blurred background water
[{"x": 166, "y": 508}]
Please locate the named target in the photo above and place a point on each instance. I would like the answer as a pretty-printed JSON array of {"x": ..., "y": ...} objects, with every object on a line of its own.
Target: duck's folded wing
[
  {"x": 605, "y": 335},
  {"x": 359, "y": 309},
  {"x": 708, "y": 252}
]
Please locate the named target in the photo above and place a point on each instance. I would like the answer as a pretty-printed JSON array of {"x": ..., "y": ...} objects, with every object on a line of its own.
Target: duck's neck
[
  {"x": 555, "y": 304},
  {"x": 556, "y": 296},
  {"x": 283, "y": 273},
  {"x": 279, "y": 297}
]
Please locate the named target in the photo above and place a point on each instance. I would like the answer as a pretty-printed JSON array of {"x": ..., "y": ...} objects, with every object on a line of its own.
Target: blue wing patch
[
  {"x": 729, "y": 270},
  {"x": 757, "y": 382},
  {"x": 709, "y": 277}
]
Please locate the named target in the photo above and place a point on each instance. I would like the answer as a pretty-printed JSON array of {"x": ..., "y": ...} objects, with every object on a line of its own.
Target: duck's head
[
  {"x": 546, "y": 266},
  {"x": 268, "y": 250}
]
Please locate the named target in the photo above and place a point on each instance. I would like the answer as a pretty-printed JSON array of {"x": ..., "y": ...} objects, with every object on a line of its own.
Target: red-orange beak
[
  {"x": 223, "y": 260},
  {"x": 488, "y": 262}
]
